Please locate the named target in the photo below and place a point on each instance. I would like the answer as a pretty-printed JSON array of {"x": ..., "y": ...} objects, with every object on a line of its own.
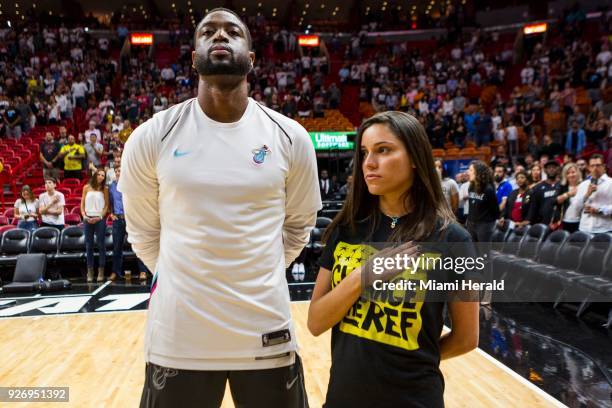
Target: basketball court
[{"x": 98, "y": 355}]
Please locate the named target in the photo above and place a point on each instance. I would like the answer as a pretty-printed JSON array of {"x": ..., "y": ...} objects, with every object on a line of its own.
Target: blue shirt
[
  {"x": 503, "y": 190},
  {"x": 116, "y": 198}
]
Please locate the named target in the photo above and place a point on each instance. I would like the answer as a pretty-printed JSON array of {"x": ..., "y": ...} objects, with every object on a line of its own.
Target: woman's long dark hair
[
  {"x": 484, "y": 176},
  {"x": 93, "y": 180},
  {"x": 425, "y": 195}
]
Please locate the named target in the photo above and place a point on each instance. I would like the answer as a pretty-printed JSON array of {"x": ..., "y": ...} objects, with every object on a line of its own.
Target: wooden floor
[{"x": 99, "y": 356}]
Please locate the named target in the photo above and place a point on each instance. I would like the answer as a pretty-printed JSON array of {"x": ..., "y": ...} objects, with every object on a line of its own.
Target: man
[
  {"x": 582, "y": 166},
  {"x": 62, "y": 138},
  {"x": 346, "y": 187},
  {"x": 543, "y": 207},
  {"x": 94, "y": 152},
  {"x": 12, "y": 120},
  {"x": 73, "y": 155},
  {"x": 51, "y": 205},
  {"x": 126, "y": 131},
  {"x": 326, "y": 186},
  {"x": 118, "y": 217},
  {"x": 594, "y": 196},
  {"x": 502, "y": 186},
  {"x": 93, "y": 131},
  {"x": 220, "y": 236},
  {"x": 575, "y": 141},
  {"x": 49, "y": 156}
]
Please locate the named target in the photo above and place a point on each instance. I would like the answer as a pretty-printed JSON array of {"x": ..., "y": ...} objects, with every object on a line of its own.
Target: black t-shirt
[
  {"x": 386, "y": 352},
  {"x": 49, "y": 151},
  {"x": 543, "y": 207},
  {"x": 483, "y": 206}
]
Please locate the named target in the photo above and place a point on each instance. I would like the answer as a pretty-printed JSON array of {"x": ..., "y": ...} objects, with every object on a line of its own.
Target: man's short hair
[
  {"x": 245, "y": 27},
  {"x": 51, "y": 178},
  {"x": 596, "y": 156}
]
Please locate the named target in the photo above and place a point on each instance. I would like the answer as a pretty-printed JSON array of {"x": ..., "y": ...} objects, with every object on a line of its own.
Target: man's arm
[
  {"x": 140, "y": 188},
  {"x": 303, "y": 196}
]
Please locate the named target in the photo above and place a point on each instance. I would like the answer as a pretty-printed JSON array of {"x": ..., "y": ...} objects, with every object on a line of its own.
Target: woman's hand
[{"x": 388, "y": 263}]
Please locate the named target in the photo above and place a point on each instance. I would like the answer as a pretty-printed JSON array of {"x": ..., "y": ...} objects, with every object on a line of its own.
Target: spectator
[
  {"x": 117, "y": 125},
  {"x": 12, "y": 121},
  {"x": 94, "y": 151},
  {"x": 484, "y": 128},
  {"x": 549, "y": 147},
  {"x": 94, "y": 207},
  {"x": 344, "y": 190},
  {"x": 584, "y": 170},
  {"x": 543, "y": 208},
  {"x": 26, "y": 209},
  {"x": 326, "y": 185},
  {"x": 516, "y": 210},
  {"x": 51, "y": 205},
  {"x": 511, "y": 133},
  {"x": 483, "y": 208},
  {"x": 502, "y": 186},
  {"x": 570, "y": 208},
  {"x": 594, "y": 198},
  {"x": 93, "y": 131},
  {"x": 73, "y": 155},
  {"x": 118, "y": 217},
  {"x": 450, "y": 189},
  {"x": 575, "y": 140},
  {"x": 49, "y": 156}
]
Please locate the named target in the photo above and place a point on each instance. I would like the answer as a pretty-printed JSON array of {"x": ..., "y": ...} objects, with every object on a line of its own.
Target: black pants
[
  {"x": 77, "y": 174},
  {"x": 275, "y": 387},
  {"x": 118, "y": 238},
  {"x": 570, "y": 226}
]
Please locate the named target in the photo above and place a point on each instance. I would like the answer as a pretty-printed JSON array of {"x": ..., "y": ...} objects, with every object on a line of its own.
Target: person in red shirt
[{"x": 517, "y": 206}]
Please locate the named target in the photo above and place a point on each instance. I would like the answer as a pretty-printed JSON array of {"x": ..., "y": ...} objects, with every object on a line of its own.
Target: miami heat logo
[{"x": 259, "y": 155}]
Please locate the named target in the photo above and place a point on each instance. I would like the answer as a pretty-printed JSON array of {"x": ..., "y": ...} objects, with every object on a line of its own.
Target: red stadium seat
[
  {"x": 71, "y": 183},
  {"x": 4, "y": 220},
  {"x": 72, "y": 219},
  {"x": 65, "y": 191},
  {"x": 10, "y": 212},
  {"x": 5, "y": 228}
]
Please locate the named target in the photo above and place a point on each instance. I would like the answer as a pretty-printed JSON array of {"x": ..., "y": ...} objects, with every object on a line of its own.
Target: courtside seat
[
  {"x": 108, "y": 241},
  {"x": 72, "y": 245},
  {"x": 45, "y": 240},
  {"x": 498, "y": 238},
  {"x": 542, "y": 278},
  {"x": 14, "y": 242},
  {"x": 546, "y": 255},
  {"x": 595, "y": 270},
  {"x": 323, "y": 222},
  {"x": 511, "y": 247},
  {"x": 29, "y": 271},
  {"x": 528, "y": 248}
]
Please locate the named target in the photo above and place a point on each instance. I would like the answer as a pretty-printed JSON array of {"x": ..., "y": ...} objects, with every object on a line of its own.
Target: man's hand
[
  {"x": 589, "y": 209},
  {"x": 408, "y": 251},
  {"x": 592, "y": 188}
]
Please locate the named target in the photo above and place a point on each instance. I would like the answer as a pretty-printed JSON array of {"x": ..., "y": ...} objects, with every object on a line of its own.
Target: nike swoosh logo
[
  {"x": 178, "y": 153},
  {"x": 290, "y": 384}
]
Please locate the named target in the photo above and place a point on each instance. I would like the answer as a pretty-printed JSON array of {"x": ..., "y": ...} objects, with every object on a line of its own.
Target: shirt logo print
[
  {"x": 178, "y": 153},
  {"x": 259, "y": 155}
]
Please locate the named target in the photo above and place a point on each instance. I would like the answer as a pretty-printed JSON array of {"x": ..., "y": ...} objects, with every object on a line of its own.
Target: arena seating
[{"x": 64, "y": 250}]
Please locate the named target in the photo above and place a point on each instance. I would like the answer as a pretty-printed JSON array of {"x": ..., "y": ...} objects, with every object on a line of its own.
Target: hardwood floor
[{"x": 99, "y": 356}]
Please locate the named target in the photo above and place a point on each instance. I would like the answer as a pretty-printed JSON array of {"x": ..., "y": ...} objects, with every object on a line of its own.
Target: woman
[
  {"x": 484, "y": 211},
  {"x": 517, "y": 207},
  {"x": 450, "y": 189},
  {"x": 26, "y": 209},
  {"x": 94, "y": 207},
  {"x": 535, "y": 175},
  {"x": 570, "y": 207},
  {"x": 396, "y": 197}
]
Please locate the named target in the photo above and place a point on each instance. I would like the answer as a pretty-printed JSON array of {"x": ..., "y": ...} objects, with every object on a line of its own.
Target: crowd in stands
[{"x": 91, "y": 97}]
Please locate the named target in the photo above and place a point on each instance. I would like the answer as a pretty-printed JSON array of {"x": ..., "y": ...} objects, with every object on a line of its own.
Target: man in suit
[{"x": 326, "y": 186}]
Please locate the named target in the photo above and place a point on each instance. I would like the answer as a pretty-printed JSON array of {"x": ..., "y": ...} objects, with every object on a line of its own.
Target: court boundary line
[{"x": 520, "y": 378}]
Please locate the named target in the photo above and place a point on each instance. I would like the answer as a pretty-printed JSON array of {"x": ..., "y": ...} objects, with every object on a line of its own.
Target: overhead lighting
[
  {"x": 383, "y": 8},
  {"x": 8, "y": 23},
  {"x": 306, "y": 5},
  {"x": 322, "y": 5},
  {"x": 243, "y": 9},
  {"x": 334, "y": 13}
]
